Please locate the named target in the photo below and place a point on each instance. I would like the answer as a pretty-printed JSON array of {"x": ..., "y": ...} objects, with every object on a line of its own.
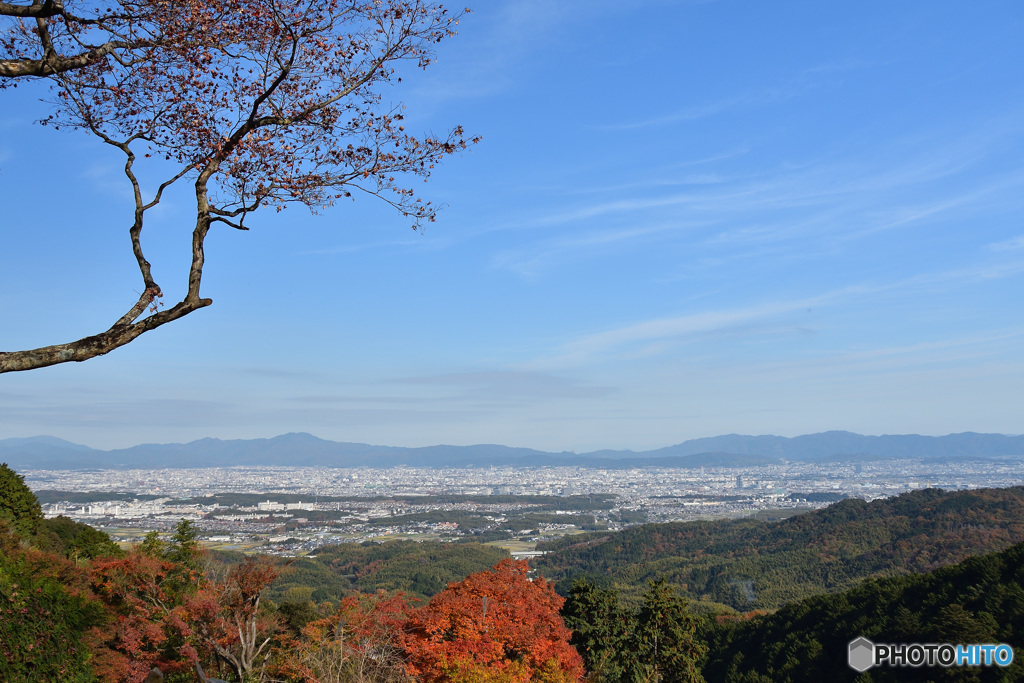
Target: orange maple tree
[
  {"x": 148, "y": 617},
  {"x": 228, "y": 620},
  {"x": 498, "y": 626},
  {"x": 360, "y": 642},
  {"x": 163, "y": 610}
]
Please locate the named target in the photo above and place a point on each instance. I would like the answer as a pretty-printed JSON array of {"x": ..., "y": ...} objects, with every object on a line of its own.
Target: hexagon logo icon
[{"x": 862, "y": 654}]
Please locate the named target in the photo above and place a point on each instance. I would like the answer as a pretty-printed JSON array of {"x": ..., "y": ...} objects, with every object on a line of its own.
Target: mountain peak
[{"x": 45, "y": 440}]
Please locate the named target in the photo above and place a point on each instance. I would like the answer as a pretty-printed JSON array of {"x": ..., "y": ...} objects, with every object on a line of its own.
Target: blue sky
[{"x": 685, "y": 219}]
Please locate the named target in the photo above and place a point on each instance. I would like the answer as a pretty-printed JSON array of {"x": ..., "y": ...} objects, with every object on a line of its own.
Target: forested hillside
[
  {"x": 76, "y": 607},
  {"x": 980, "y": 600},
  {"x": 420, "y": 570},
  {"x": 750, "y": 564}
]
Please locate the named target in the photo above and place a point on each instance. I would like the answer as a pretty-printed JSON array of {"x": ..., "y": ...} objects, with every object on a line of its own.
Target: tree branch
[
  {"x": 47, "y": 8},
  {"x": 260, "y": 104},
  {"x": 119, "y": 334},
  {"x": 52, "y": 63}
]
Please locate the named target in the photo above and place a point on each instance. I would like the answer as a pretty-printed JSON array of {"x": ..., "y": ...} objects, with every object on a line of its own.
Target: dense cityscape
[{"x": 296, "y": 510}]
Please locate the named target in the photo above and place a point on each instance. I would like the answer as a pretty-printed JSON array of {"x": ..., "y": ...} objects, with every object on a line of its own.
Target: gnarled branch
[{"x": 117, "y": 336}]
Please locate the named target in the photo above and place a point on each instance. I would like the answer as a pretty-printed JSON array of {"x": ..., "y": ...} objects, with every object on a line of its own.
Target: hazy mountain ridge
[{"x": 301, "y": 449}]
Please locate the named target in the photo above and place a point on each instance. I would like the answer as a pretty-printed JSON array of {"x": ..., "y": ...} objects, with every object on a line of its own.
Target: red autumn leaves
[
  {"x": 166, "y": 605},
  {"x": 493, "y": 626},
  {"x": 497, "y": 626}
]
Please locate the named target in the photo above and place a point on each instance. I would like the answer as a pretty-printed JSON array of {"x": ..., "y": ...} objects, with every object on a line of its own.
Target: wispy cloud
[
  {"x": 365, "y": 246},
  {"x": 769, "y": 319},
  {"x": 957, "y": 276},
  {"x": 657, "y": 335},
  {"x": 914, "y": 213},
  {"x": 112, "y": 413},
  {"x": 530, "y": 261},
  {"x": 362, "y": 416},
  {"x": 688, "y": 114},
  {"x": 109, "y": 178},
  {"x": 505, "y": 386},
  {"x": 806, "y": 208},
  {"x": 483, "y": 62},
  {"x": 922, "y": 350},
  {"x": 366, "y": 399},
  {"x": 801, "y": 83},
  {"x": 966, "y": 352},
  {"x": 1008, "y": 245}
]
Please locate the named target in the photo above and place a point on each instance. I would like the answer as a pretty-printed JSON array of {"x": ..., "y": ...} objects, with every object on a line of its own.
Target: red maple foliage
[
  {"x": 228, "y": 620},
  {"x": 163, "y": 611},
  {"x": 497, "y": 625},
  {"x": 45, "y": 606},
  {"x": 360, "y": 642},
  {"x": 149, "y": 617}
]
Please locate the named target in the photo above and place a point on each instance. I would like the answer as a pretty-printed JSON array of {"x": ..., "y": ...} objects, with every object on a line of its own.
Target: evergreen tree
[
  {"x": 665, "y": 638},
  {"x": 152, "y": 545},
  {"x": 183, "y": 548},
  {"x": 600, "y": 628},
  {"x": 658, "y": 643},
  {"x": 18, "y": 505},
  {"x": 74, "y": 540},
  {"x": 957, "y": 625}
]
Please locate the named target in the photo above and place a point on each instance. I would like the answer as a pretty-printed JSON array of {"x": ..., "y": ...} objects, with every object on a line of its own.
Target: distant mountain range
[{"x": 306, "y": 450}]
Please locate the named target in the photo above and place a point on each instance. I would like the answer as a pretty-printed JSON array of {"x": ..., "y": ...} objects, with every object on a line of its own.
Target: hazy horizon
[{"x": 493, "y": 443}]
